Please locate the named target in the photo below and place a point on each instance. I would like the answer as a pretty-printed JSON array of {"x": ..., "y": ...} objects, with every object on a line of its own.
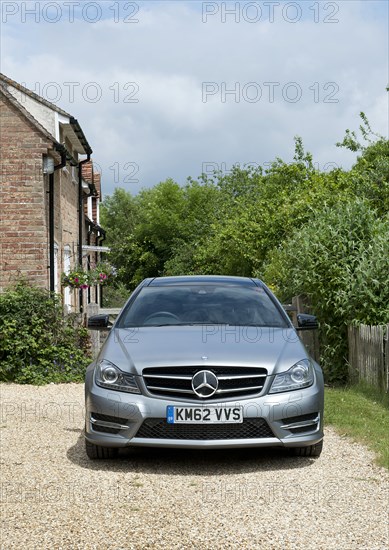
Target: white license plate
[{"x": 204, "y": 415}]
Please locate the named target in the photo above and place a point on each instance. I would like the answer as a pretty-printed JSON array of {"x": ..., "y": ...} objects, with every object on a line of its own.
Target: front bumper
[{"x": 294, "y": 419}]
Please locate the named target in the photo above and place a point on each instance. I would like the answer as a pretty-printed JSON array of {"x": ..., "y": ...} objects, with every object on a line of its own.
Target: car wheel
[
  {"x": 97, "y": 452},
  {"x": 310, "y": 450}
]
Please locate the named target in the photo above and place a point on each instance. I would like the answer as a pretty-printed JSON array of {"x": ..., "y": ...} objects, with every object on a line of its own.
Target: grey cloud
[{"x": 170, "y": 53}]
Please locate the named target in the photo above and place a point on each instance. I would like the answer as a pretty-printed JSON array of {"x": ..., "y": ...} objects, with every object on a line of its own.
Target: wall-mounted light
[{"x": 48, "y": 165}]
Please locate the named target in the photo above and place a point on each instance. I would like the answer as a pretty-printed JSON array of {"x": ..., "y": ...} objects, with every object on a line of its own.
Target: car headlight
[
  {"x": 108, "y": 375},
  {"x": 299, "y": 376}
]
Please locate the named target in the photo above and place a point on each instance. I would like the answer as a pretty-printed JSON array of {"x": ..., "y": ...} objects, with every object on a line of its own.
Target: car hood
[{"x": 134, "y": 349}]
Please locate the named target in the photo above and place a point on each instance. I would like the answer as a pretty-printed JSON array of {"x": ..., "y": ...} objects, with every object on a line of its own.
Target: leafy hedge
[
  {"x": 340, "y": 261},
  {"x": 38, "y": 343}
]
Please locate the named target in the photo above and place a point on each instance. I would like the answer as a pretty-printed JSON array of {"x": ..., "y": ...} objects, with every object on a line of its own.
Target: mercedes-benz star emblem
[{"x": 205, "y": 383}]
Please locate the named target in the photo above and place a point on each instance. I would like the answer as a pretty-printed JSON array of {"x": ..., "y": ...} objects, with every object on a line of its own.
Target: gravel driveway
[{"x": 54, "y": 497}]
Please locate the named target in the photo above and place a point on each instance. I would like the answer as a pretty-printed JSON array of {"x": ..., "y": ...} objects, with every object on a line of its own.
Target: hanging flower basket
[
  {"x": 76, "y": 279},
  {"x": 102, "y": 274}
]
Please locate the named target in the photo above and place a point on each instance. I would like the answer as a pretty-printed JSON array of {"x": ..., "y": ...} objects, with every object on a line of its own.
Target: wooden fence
[
  {"x": 369, "y": 355},
  {"x": 368, "y": 348}
]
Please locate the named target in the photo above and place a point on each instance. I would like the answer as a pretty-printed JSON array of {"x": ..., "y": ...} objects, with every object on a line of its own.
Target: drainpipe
[
  {"x": 88, "y": 243},
  {"x": 101, "y": 239},
  {"x": 51, "y": 220},
  {"x": 80, "y": 221}
]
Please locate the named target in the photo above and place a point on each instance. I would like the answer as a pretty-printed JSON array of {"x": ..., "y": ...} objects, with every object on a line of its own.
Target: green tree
[
  {"x": 259, "y": 210},
  {"x": 119, "y": 215},
  {"x": 341, "y": 263},
  {"x": 371, "y": 170}
]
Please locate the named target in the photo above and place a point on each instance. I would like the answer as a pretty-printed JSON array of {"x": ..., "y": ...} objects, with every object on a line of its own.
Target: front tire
[
  {"x": 96, "y": 452},
  {"x": 310, "y": 450}
]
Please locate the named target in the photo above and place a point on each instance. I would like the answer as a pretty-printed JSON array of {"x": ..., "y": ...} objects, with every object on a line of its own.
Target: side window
[{"x": 90, "y": 210}]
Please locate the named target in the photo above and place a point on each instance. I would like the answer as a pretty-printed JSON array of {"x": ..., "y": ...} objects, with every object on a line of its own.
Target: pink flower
[{"x": 76, "y": 279}]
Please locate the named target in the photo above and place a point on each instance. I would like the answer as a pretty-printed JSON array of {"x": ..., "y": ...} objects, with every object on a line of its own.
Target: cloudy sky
[{"x": 172, "y": 89}]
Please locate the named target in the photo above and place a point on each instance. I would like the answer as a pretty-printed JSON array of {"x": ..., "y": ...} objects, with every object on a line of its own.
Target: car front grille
[
  {"x": 158, "y": 428},
  {"x": 177, "y": 381}
]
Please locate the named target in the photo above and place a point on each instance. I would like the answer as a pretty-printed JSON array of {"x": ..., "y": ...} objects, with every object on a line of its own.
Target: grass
[{"x": 362, "y": 413}]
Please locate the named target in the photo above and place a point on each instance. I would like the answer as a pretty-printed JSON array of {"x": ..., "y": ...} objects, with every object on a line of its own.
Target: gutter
[
  {"x": 51, "y": 218},
  {"x": 81, "y": 136}
]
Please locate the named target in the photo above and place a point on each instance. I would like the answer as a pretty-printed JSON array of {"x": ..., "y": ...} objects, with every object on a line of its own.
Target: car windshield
[{"x": 192, "y": 304}]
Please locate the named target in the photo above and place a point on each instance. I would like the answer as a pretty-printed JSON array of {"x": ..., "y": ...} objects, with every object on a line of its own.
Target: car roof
[{"x": 204, "y": 279}]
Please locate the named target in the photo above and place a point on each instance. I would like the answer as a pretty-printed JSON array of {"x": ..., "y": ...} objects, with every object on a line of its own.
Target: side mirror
[
  {"x": 99, "y": 322},
  {"x": 306, "y": 322}
]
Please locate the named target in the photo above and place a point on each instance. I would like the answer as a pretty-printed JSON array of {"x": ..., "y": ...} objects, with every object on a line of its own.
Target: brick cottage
[{"x": 49, "y": 197}]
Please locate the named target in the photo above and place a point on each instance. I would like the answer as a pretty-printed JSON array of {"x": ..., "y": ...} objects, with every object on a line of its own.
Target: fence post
[
  {"x": 386, "y": 358},
  {"x": 352, "y": 354},
  {"x": 93, "y": 309}
]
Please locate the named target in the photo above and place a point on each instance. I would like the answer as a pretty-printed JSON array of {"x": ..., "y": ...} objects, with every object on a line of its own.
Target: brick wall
[
  {"x": 24, "y": 206},
  {"x": 23, "y": 197},
  {"x": 66, "y": 226}
]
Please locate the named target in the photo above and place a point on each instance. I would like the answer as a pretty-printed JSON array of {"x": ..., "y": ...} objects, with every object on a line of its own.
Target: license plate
[{"x": 204, "y": 415}]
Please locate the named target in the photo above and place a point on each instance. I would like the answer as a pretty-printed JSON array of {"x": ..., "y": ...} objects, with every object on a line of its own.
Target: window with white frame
[
  {"x": 97, "y": 212},
  {"x": 90, "y": 209}
]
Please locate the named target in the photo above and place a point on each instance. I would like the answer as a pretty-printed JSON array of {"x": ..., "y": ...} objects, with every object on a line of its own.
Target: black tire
[
  {"x": 311, "y": 450},
  {"x": 97, "y": 452}
]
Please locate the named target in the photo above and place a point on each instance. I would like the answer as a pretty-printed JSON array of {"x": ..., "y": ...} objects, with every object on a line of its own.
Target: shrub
[
  {"x": 340, "y": 262},
  {"x": 38, "y": 343}
]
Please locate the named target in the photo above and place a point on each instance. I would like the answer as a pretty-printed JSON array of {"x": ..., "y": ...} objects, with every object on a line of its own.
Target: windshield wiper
[
  {"x": 203, "y": 323},
  {"x": 164, "y": 325}
]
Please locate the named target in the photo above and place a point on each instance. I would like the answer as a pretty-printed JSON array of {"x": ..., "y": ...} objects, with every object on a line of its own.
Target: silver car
[{"x": 203, "y": 362}]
